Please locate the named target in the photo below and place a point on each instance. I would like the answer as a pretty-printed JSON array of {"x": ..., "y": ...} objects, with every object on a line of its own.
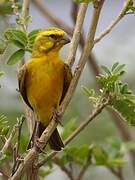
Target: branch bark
[
  {"x": 77, "y": 34},
  {"x": 83, "y": 170}
]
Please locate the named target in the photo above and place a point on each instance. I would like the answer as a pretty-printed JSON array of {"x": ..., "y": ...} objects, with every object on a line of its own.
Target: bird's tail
[{"x": 55, "y": 140}]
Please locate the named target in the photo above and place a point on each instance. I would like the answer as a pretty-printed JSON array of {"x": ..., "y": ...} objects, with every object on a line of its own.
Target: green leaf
[
  {"x": 116, "y": 162},
  {"x": 5, "y": 130},
  {"x": 18, "y": 44},
  {"x": 118, "y": 69},
  {"x": 1, "y": 73},
  {"x": 100, "y": 156},
  {"x": 16, "y": 35},
  {"x": 31, "y": 37},
  {"x": 106, "y": 70},
  {"x": 6, "y": 8},
  {"x": 45, "y": 171},
  {"x": 3, "y": 46},
  {"x": 115, "y": 65},
  {"x": 126, "y": 110},
  {"x": 2, "y": 118},
  {"x": 125, "y": 89},
  {"x": 113, "y": 148},
  {"x": 88, "y": 92},
  {"x": 33, "y": 33},
  {"x": 76, "y": 154},
  {"x": 16, "y": 56},
  {"x": 131, "y": 8}
]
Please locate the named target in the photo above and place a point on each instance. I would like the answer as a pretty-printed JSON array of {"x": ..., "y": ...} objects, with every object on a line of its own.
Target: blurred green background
[{"x": 117, "y": 46}]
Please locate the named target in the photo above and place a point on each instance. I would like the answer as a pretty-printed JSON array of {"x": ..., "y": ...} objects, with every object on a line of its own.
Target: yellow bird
[{"x": 45, "y": 78}]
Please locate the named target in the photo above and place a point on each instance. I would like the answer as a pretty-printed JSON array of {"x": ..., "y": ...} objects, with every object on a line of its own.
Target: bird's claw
[
  {"x": 39, "y": 145},
  {"x": 56, "y": 116}
]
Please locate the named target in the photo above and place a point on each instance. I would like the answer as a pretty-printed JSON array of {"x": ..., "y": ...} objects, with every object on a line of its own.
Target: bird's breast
[{"x": 44, "y": 87}]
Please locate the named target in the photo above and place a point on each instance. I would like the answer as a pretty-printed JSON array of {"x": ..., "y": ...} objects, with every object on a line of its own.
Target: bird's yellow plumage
[
  {"x": 44, "y": 79},
  {"x": 45, "y": 86}
]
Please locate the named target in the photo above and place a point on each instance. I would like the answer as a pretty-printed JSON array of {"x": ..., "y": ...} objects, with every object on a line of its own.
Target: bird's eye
[{"x": 53, "y": 36}]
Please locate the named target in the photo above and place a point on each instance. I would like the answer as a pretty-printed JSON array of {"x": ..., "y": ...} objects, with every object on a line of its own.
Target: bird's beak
[{"x": 65, "y": 40}]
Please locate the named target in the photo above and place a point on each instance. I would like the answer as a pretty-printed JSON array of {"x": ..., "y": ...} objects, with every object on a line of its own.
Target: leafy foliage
[
  {"x": 111, "y": 154},
  {"x": 45, "y": 171},
  {"x": 16, "y": 56},
  {"x": 6, "y": 7},
  {"x": 4, "y": 128},
  {"x": 121, "y": 97},
  {"x": 3, "y": 46},
  {"x": 1, "y": 73},
  {"x": 131, "y": 8},
  {"x": 21, "y": 40}
]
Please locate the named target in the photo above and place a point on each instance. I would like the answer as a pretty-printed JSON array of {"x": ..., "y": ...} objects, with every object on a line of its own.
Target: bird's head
[{"x": 49, "y": 40}]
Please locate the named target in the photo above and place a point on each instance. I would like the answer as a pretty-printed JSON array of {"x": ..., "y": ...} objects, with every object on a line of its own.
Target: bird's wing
[
  {"x": 22, "y": 84},
  {"x": 67, "y": 80}
]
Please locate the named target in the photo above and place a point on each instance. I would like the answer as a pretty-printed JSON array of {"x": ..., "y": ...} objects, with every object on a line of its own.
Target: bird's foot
[
  {"x": 39, "y": 145},
  {"x": 57, "y": 116}
]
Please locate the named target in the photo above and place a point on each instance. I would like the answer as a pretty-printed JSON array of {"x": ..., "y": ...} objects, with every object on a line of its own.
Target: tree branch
[
  {"x": 25, "y": 8},
  {"x": 16, "y": 155},
  {"x": 77, "y": 34},
  {"x": 33, "y": 153},
  {"x": 114, "y": 22},
  {"x": 118, "y": 173},
  {"x": 84, "y": 169}
]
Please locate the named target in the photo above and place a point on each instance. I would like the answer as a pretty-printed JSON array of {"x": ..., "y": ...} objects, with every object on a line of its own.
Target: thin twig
[
  {"x": 33, "y": 153},
  {"x": 20, "y": 123},
  {"x": 25, "y": 8},
  {"x": 63, "y": 168},
  {"x": 118, "y": 173},
  {"x": 25, "y": 11},
  {"x": 16, "y": 156},
  {"x": 8, "y": 142},
  {"x": 84, "y": 169},
  {"x": 114, "y": 22},
  {"x": 77, "y": 34}
]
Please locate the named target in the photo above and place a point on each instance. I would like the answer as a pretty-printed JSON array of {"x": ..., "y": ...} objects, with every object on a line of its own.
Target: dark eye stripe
[{"x": 54, "y": 36}]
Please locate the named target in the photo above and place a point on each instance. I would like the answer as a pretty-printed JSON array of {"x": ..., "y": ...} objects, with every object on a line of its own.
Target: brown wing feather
[
  {"x": 22, "y": 88},
  {"x": 67, "y": 80}
]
